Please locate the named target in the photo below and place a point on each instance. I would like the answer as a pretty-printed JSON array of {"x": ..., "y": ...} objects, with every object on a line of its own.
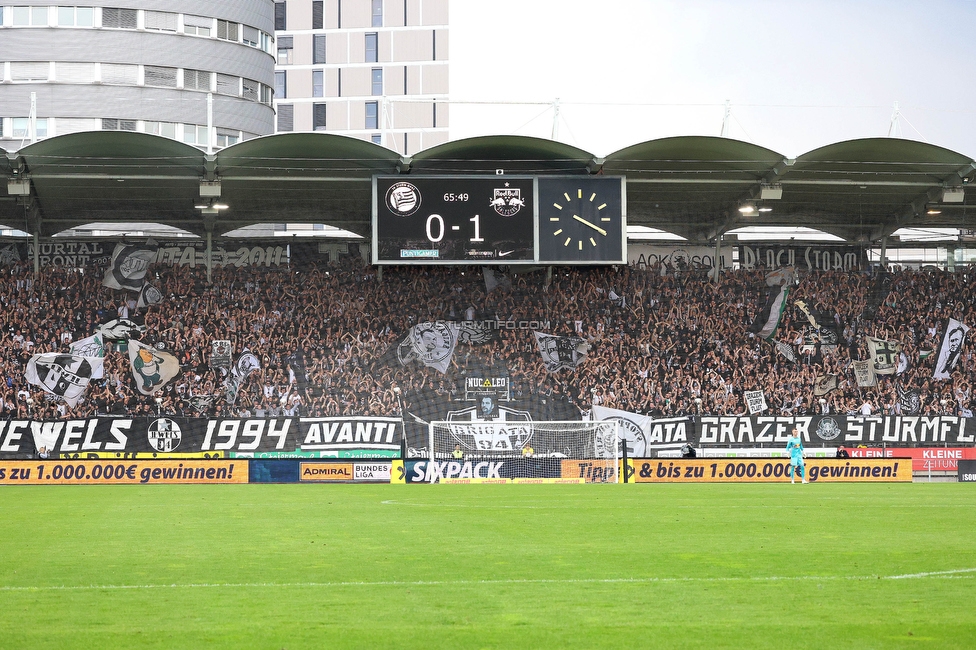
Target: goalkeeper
[{"x": 794, "y": 447}]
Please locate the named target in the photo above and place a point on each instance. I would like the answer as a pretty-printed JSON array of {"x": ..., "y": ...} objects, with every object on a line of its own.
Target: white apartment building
[{"x": 371, "y": 69}]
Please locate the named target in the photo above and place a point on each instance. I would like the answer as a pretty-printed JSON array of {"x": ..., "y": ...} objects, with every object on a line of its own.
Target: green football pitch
[{"x": 489, "y": 566}]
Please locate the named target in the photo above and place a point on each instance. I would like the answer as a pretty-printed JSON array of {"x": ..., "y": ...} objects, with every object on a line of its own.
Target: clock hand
[{"x": 593, "y": 226}]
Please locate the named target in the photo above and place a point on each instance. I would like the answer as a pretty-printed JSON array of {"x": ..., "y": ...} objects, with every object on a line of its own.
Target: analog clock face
[{"x": 581, "y": 220}]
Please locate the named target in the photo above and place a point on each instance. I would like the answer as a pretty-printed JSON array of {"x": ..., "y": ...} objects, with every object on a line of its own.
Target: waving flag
[
  {"x": 779, "y": 283},
  {"x": 950, "y": 350},
  {"x": 245, "y": 364},
  {"x": 151, "y": 368},
  {"x": 560, "y": 352},
  {"x": 130, "y": 262},
  {"x": 93, "y": 346},
  {"x": 63, "y": 375}
]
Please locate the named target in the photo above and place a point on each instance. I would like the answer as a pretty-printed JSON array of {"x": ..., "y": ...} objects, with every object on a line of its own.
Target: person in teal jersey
[{"x": 794, "y": 446}]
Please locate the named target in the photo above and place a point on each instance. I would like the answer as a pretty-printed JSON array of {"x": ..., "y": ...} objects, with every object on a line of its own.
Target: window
[
  {"x": 285, "y": 50},
  {"x": 119, "y": 18},
  {"x": 318, "y": 48},
  {"x": 165, "y": 129},
  {"x": 74, "y": 72},
  {"x": 227, "y": 31},
  {"x": 286, "y": 117},
  {"x": 76, "y": 17},
  {"x": 196, "y": 80},
  {"x": 29, "y": 70},
  {"x": 280, "y": 22},
  {"x": 318, "y": 83},
  {"x": 372, "y": 115},
  {"x": 251, "y": 36},
  {"x": 377, "y": 13},
  {"x": 161, "y": 21},
  {"x": 318, "y": 117},
  {"x": 317, "y": 21},
  {"x": 120, "y": 74},
  {"x": 376, "y": 138},
  {"x": 197, "y": 25},
  {"x": 30, "y": 16},
  {"x": 21, "y": 127},
  {"x": 377, "y": 82},
  {"x": 251, "y": 89},
  {"x": 371, "y": 52},
  {"x": 227, "y": 138},
  {"x": 195, "y": 134},
  {"x": 160, "y": 76},
  {"x": 265, "y": 94},
  {"x": 228, "y": 85},
  {"x": 118, "y": 125},
  {"x": 281, "y": 84}
]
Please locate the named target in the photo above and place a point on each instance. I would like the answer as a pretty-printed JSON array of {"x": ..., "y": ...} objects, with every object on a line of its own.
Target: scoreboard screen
[
  {"x": 499, "y": 220},
  {"x": 453, "y": 219}
]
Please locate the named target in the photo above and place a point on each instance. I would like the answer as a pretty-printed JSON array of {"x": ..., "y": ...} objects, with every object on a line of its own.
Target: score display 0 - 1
[{"x": 496, "y": 220}]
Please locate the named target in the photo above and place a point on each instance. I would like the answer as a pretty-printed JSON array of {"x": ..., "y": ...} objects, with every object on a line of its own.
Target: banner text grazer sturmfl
[{"x": 382, "y": 437}]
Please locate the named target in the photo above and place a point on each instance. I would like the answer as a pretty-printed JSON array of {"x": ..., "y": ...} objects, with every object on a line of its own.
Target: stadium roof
[{"x": 693, "y": 186}]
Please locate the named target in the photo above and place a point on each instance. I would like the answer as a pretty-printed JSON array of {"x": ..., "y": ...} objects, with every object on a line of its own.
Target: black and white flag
[
  {"x": 950, "y": 349},
  {"x": 148, "y": 295},
  {"x": 909, "y": 400},
  {"x": 643, "y": 434},
  {"x": 786, "y": 351},
  {"x": 120, "y": 329},
  {"x": 756, "y": 400},
  {"x": 617, "y": 301},
  {"x": 63, "y": 375},
  {"x": 130, "y": 262},
  {"x": 221, "y": 355},
  {"x": 560, "y": 352},
  {"x": 884, "y": 355},
  {"x": 778, "y": 284},
  {"x": 475, "y": 332},
  {"x": 432, "y": 344},
  {"x": 495, "y": 280},
  {"x": 245, "y": 364},
  {"x": 93, "y": 346},
  {"x": 824, "y": 385},
  {"x": 201, "y": 403}
]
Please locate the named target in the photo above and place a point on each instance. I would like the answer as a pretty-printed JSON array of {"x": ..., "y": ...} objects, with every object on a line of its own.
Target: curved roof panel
[
  {"x": 693, "y": 186},
  {"x": 514, "y": 154}
]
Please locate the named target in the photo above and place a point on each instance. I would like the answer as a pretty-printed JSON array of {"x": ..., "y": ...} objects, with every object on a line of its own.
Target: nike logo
[{"x": 503, "y": 254}]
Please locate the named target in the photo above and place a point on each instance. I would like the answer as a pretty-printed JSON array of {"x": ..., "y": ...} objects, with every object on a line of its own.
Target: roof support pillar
[
  {"x": 37, "y": 251},
  {"x": 718, "y": 260}
]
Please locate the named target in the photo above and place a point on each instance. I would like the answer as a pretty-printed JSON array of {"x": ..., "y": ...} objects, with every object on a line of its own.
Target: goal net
[{"x": 576, "y": 451}]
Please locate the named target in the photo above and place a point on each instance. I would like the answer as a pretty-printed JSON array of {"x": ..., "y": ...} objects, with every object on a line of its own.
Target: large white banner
[{"x": 643, "y": 433}]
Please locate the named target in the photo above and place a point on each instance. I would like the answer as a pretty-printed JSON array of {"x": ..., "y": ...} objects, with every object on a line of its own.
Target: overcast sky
[{"x": 799, "y": 75}]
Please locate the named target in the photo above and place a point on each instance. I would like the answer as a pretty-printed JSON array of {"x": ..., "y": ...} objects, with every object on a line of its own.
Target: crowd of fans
[{"x": 663, "y": 341}]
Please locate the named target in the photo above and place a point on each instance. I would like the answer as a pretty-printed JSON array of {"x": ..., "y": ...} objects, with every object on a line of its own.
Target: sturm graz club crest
[
  {"x": 508, "y": 431},
  {"x": 164, "y": 435},
  {"x": 828, "y": 429},
  {"x": 507, "y": 201},
  {"x": 403, "y": 199}
]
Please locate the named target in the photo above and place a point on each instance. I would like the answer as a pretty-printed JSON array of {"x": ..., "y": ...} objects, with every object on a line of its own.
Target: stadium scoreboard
[{"x": 499, "y": 220}]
